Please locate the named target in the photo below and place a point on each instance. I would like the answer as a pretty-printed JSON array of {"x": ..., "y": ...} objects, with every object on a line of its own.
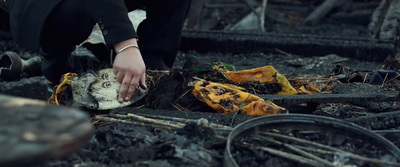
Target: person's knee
[{"x": 70, "y": 23}]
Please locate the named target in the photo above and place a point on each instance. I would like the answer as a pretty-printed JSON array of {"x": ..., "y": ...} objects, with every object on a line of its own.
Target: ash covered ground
[{"x": 119, "y": 144}]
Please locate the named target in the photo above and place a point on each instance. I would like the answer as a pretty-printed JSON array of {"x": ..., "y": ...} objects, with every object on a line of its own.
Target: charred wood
[
  {"x": 318, "y": 14},
  {"x": 34, "y": 87},
  {"x": 358, "y": 17},
  {"x": 227, "y": 5},
  {"x": 387, "y": 120},
  {"x": 372, "y": 5},
  {"x": 377, "y": 18},
  {"x": 391, "y": 22},
  {"x": 308, "y": 45},
  {"x": 195, "y": 14},
  {"x": 329, "y": 98}
]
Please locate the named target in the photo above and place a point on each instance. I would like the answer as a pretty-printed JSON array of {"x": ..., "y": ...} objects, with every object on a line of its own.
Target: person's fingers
[
  {"x": 143, "y": 81},
  {"x": 120, "y": 76},
  {"x": 132, "y": 88},
  {"x": 124, "y": 88},
  {"x": 115, "y": 71}
]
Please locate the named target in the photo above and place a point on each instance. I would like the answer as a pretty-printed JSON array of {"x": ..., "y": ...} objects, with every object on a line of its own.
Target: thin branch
[
  {"x": 262, "y": 18},
  {"x": 351, "y": 155},
  {"x": 285, "y": 155},
  {"x": 114, "y": 120},
  {"x": 201, "y": 122},
  {"x": 304, "y": 153},
  {"x": 149, "y": 120}
]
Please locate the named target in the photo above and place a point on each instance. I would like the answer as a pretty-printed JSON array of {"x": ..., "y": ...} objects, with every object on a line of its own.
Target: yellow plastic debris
[
  {"x": 307, "y": 89},
  {"x": 58, "y": 90},
  {"x": 261, "y": 74},
  {"x": 228, "y": 99}
]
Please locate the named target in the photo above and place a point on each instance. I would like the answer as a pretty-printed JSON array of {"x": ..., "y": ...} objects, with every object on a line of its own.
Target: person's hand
[{"x": 129, "y": 68}]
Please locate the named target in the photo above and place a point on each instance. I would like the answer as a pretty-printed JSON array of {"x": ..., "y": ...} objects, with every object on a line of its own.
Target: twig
[
  {"x": 114, "y": 120},
  {"x": 285, "y": 155},
  {"x": 384, "y": 80},
  {"x": 365, "y": 78},
  {"x": 392, "y": 79},
  {"x": 306, "y": 83},
  {"x": 328, "y": 79},
  {"x": 182, "y": 95},
  {"x": 262, "y": 18},
  {"x": 315, "y": 150},
  {"x": 179, "y": 107},
  {"x": 351, "y": 155},
  {"x": 304, "y": 153},
  {"x": 237, "y": 112},
  {"x": 334, "y": 153},
  {"x": 149, "y": 120},
  {"x": 201, "y": 121},
  {"x": 282, "y": 52}
]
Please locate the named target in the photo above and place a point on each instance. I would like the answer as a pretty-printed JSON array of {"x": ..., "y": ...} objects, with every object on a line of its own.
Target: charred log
[
  {"x": 380, "y": 121},
  {"x": 308, "y": 45},
  {"x": 35, "y": 88}
]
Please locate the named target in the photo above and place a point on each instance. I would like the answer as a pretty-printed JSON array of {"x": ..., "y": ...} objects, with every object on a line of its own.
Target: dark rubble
[{"x": 356, "y": 34}]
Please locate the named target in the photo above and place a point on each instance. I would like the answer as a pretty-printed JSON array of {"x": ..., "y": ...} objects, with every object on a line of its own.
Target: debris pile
[{"x": 338, "y": 76}]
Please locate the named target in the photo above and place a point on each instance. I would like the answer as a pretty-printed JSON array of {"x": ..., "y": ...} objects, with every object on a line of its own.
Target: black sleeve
[{"x": 113, "y": 20}]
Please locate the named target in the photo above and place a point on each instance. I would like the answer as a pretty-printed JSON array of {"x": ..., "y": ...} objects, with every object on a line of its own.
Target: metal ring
[{"x": 301, "y": 121}]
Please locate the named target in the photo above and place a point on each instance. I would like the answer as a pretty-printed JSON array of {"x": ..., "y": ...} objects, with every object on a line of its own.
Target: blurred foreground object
[{"x": 33, "y": 131}]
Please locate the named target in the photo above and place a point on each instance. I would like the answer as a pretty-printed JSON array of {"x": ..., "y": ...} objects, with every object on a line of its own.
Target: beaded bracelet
[{"x": 128, "y": 46}]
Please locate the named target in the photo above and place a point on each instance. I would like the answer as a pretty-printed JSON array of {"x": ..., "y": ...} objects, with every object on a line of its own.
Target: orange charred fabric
[
  {"x": 261, "y": 74},
  {"x": 229, "y": 99},
  {"x": 263, "y": 108},
  {"x": 307, "y": 89}
]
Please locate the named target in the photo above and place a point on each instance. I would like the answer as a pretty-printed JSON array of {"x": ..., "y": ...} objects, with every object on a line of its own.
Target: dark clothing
[
  {"x": 68, "y": 25},
  {"x": 26, "y": 22},
  {"x": 27, "y": 18},
  {"x": 57, "y": 26}
]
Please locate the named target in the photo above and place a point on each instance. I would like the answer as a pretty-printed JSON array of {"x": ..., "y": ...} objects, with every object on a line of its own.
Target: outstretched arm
[
  {"x": 129, "y": 68},
  {"x": 118, "y": 32}
]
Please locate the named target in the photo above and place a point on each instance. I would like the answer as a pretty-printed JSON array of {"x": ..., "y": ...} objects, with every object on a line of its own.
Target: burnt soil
[{"x": 117, "y": 144}]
